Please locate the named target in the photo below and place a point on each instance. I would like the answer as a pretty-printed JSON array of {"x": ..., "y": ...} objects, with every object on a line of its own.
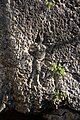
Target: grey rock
[
  {"x": 62, "y": 114},
  {"x": 32, "y": 36}
]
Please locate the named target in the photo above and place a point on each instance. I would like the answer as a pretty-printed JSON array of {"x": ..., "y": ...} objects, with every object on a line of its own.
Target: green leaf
[
  {"x": 49, "y": 4},
  {"x": 58, "y": 69}
]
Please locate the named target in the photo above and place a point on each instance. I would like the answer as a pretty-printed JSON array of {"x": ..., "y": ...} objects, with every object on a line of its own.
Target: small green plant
[
  {"x": 49, "y": 4},
  {"x": 59, "y": 96},
  {"x": 57, "y": 69}
]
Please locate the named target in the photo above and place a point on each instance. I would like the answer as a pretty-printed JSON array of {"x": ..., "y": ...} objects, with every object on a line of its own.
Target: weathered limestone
[{"x": 31, "y": 37}]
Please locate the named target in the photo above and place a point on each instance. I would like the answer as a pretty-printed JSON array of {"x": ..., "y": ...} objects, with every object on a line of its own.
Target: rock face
[
  {"x": 62, "y": 114},
  {"x": 32, "y": 35}
]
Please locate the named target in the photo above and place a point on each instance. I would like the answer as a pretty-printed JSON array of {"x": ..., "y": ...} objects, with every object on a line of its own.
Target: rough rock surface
[
  {"x": 31, "y": 36},
  {"x": 60, "y": 114}
]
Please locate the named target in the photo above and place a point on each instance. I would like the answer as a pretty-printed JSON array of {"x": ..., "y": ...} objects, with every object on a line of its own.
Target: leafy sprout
[
  {"x": 59, "y": 96},
  {"x": 57, "y": 69},
  {"x": 49, "y": 4}
]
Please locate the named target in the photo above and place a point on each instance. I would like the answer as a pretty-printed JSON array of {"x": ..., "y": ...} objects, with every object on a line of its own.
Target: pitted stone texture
[
  {"x": 62, "y": 114},
  {"x": 6, "y": 57},
  {"x": 36, "y": 36}
]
